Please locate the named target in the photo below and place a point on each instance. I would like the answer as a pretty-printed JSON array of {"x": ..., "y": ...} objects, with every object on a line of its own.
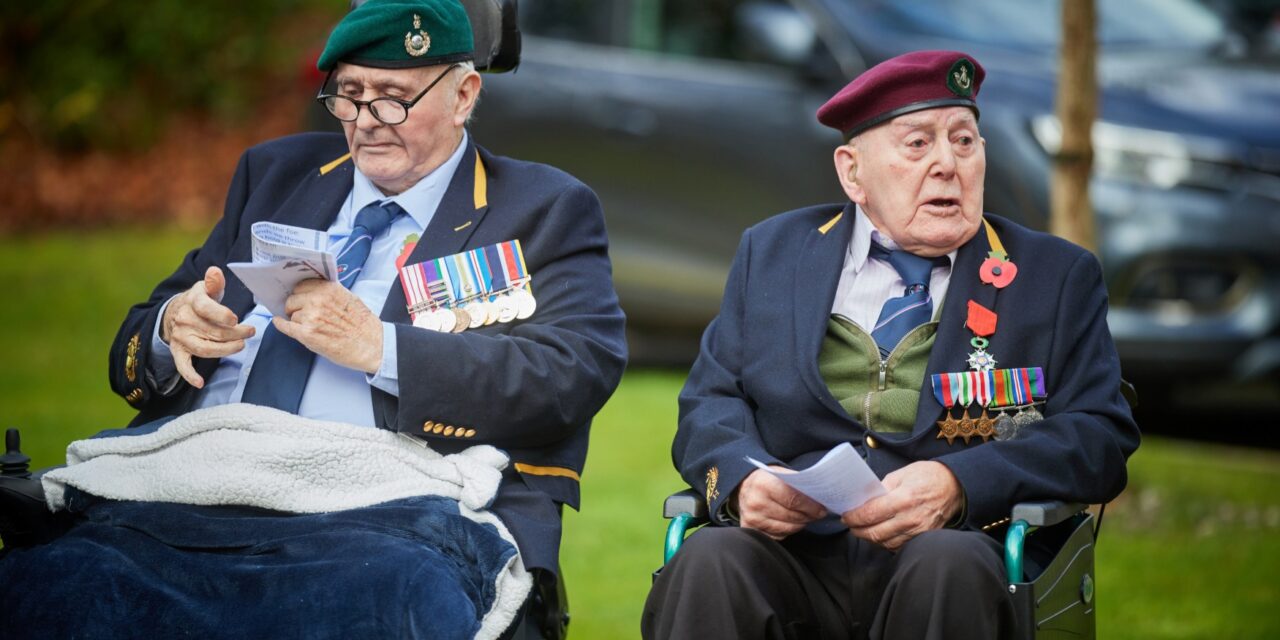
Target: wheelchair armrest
[
  {"x": 1024, "y": 516},
  {"x": 687, "y": 501},
  {"x": 1046, "y": 513},
  {"x": 686, "y": 509}
]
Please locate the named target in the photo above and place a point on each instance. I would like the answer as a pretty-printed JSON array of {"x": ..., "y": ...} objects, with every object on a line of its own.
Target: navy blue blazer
[
  {"x": 755, "y": 389},
  {"x": 529, "y": 387}
]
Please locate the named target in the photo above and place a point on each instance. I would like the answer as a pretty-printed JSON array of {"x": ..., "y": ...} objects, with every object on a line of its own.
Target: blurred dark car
[{"x": 694, "y": 120}]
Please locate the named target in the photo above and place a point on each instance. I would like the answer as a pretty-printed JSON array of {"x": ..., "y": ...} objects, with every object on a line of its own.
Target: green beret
[{"x": 396, "y": 34}]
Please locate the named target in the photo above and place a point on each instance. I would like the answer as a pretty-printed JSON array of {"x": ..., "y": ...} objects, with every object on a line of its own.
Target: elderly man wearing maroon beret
[{"x": 966, "y": 359}]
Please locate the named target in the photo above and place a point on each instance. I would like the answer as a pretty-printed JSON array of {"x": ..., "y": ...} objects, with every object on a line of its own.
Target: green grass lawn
[{"x": 1191, "y": 550}]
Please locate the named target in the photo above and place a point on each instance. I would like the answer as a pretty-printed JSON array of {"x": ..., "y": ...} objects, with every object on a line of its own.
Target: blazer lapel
[
  {"x": 817, "y": 276},
  {"x": 951, "y": 347},
  {"x": 463, "y": 206}
]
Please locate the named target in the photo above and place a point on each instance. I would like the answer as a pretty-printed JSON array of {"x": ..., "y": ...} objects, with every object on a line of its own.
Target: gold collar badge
[{"x": 417, "y": 44}]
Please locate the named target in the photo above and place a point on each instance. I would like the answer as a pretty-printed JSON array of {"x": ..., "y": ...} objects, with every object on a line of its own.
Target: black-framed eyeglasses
[{"x": 387, "y": 110}]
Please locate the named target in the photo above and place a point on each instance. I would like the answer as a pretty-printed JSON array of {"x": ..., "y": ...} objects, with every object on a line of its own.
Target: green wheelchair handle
[
  {"x": 675, "y": 535},
  {"x": 1013, "y": 550}
]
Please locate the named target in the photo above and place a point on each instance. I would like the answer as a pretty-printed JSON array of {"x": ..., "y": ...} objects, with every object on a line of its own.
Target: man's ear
[
  {"x": 846, "y": 161},
  {"x": 468, "y": 91}
]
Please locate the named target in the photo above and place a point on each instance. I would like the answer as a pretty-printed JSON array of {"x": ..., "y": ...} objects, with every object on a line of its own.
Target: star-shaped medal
[
  {"x": 966, "y": 427},
  {"x": 949, "y": 429},
  {"x": 985, "y": 426}
]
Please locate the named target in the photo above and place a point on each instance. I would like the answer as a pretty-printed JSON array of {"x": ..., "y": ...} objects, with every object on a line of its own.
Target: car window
[
  {"x": 1034, "y": 23},
  {"x": 719, "y": 29},
  {"x": 589, "y": 21}
]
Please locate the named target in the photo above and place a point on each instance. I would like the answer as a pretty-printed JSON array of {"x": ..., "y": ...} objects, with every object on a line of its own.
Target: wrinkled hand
[
  {"x": 333, "y": 322},
  {"x": 769, "y": 505},
  {"x": 195, "y": 324},
  {"x": 922, "y": 496}
]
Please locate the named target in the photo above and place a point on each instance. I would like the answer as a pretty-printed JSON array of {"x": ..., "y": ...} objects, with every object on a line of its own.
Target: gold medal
[{"x": 463, "y": 320}]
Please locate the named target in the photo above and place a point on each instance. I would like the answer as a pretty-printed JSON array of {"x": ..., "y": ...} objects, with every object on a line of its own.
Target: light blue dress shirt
[{"x": 334, "y": 392}]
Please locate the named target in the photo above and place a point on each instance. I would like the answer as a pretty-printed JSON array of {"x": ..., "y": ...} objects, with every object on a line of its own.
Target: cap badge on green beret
[
  {"x": 417, "y": 44},
  {"x": 960, "y": 78}
]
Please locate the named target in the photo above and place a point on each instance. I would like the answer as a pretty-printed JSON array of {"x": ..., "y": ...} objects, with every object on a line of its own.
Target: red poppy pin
[{"x": 997, "y": 270}]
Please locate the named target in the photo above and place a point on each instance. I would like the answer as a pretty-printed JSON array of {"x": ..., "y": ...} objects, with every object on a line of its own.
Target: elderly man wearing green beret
[{"x": 470, "y": 303}]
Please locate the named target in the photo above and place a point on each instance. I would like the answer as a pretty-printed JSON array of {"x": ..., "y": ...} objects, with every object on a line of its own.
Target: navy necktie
[
  {"x": 282, "y": 366},
  {"x": 900, "y": 315}
]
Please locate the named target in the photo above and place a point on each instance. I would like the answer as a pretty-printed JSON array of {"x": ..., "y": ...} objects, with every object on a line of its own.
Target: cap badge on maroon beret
[
  {"x": 960, "y": 78},
  {"x": 417, "y": 44}
]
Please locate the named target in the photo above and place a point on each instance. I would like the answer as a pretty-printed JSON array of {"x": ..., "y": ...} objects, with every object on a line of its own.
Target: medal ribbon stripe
[
  {"x": 1035, "y": 382},
  {"x": 451, "y": 278},
  {"x": 498, "y": 275},
  {"x": 437, "y": 289},
  {"x": 519, "y": 251},
  {"x": 481, "y": 267},
  {"x": 459, "y": 268},
  {"x": 942, "y": 389},
  {"x": 964, "y": 396},
  {"x": 983, "y": 392},
  {"x": 1004, "y": 389}
]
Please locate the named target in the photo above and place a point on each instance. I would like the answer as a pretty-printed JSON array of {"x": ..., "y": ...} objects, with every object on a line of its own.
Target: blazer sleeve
[
  {"x": 717, "y": 428},
  {"x": 535, "y": 382},
  {"x": 1078, "y": 452},
  {"x": 131, "y": 350}
]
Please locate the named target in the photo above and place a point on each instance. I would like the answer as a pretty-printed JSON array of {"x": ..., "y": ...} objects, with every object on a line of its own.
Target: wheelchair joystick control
[{"x": 14, "y": 463}]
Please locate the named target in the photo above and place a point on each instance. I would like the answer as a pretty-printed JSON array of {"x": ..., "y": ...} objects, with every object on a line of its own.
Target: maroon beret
[{"x": 910, "y": 82}]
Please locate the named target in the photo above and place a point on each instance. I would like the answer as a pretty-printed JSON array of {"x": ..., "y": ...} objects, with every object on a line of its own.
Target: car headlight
[{"x": 1143, "y": 156}]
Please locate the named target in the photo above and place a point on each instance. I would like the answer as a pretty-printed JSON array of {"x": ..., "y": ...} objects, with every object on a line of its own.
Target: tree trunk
[{"x": 1071, "y": 213}]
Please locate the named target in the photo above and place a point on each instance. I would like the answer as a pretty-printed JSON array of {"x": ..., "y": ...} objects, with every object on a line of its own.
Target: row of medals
[
  {"x": 518, "y": 304},
  {"x": 1002, "y": 427}
]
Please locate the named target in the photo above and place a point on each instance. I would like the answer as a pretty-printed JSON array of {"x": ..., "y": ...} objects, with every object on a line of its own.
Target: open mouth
[{"x": 944, "y": 204}]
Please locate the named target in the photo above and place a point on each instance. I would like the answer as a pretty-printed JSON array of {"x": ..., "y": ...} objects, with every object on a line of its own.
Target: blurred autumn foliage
[{"x": 138, "y": 109}]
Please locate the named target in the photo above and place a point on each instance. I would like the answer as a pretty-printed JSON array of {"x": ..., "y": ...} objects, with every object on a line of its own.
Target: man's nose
[
  {"x": 366, "y": 120},
  {"x": 944, "y": 162}
]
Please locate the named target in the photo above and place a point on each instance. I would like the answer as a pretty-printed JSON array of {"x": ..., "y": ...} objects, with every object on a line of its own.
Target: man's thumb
[{"x": 214, "y": 283}]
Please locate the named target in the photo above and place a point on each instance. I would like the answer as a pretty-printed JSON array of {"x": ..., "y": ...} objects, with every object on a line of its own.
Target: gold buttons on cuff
[
  {"x": 448, "y": 431},
  {"x": 873, "y": 443},
  {"x": 438, "y": 428},
  {"x": 460, "y": 433},
  {"x": 471, "y": 433},
  {"x": 134, "y": 397},
  {"x": 427, "y": 426}
]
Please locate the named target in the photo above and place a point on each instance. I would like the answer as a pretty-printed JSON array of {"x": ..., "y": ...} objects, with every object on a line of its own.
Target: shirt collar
[
  {"x": 422, "y": 199},
  {"x": 864, "y": 232}
]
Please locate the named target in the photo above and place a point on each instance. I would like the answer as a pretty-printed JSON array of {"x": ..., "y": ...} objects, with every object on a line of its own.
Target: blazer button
[
  {"x": 873, "y": 443},
  {"x": 426, "y": 426},
  {"x": 438, "y": 428},
  {"x": 448, "y": 431},
  {"x": 471, "y": 433}
]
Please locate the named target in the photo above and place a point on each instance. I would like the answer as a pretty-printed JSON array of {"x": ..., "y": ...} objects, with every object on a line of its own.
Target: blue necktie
[
  {"x": 899, "y": 316},
  {"x": 282, "y": 366}
]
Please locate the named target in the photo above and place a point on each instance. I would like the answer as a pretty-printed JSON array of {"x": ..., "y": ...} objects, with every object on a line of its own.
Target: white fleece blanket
[{"x": 243, "y": 454}]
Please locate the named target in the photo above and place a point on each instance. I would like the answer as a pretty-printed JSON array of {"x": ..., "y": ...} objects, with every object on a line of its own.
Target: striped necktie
[
  {"x": 900, "y": 315},
  {"x": 282, "y": 365}
]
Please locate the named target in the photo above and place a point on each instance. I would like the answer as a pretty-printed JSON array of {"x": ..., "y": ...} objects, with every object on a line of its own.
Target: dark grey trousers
[{"x": 728, "y": 582}]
